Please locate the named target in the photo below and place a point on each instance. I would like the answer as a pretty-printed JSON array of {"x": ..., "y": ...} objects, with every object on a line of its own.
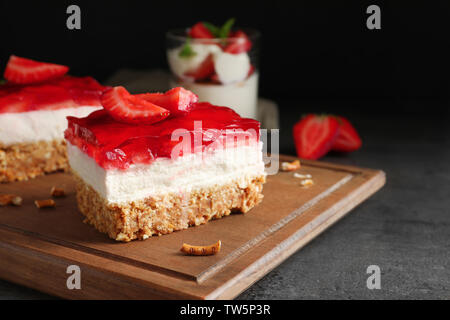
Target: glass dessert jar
[{"x": 223, "y": 71}]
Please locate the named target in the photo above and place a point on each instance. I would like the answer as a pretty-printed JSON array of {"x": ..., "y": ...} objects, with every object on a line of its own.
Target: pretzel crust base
[
  {"x": 25, "y": 161},
  {"x": 167, "y": 213}
]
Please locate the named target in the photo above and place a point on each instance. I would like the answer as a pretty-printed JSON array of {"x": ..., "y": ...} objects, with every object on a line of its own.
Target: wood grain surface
[{"x": 37, "y": 245}]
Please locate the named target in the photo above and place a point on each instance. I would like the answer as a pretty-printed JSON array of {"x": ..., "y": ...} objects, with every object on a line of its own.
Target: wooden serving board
[{"x": 37, "y": 246}]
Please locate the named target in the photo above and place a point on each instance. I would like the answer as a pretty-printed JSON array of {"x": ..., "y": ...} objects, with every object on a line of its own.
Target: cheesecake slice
[
  {"x": 33, "y": 115},
  {"x": 135, "y": 180}
]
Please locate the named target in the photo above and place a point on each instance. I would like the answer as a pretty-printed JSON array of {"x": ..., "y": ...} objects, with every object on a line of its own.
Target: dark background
[
  {"x": 311, "y": 49},
  {"x": 316, "y": 56}
]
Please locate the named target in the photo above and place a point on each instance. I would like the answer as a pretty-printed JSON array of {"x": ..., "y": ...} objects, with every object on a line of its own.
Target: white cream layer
[
  {"x": 169, "y": 176},
  {"x": 40, "y": 125}
]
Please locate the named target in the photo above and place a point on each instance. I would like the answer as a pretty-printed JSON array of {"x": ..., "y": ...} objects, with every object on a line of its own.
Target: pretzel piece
[
  {"x": 57, "y": 192},
  {"x": 290, "y": 166},
  {"x": 201, "y": 250},
  {"x": 47, "y": 203},
  {"x": 8, "y": 199}
]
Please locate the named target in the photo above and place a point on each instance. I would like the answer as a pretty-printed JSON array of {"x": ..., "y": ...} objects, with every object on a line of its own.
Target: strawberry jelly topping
[
  {"x": 114, "y": 144},
  {"x": 64, "y": 92}
]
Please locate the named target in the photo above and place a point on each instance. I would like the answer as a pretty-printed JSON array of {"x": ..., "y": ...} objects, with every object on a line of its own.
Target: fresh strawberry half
[
  {"x": 314, "y": 135},
  {"x": 177, "y": 100},
  {"x": 24, "y": 71},
  {"x": 348, "y": 138},
  {"x": 125, "y": 107},
  {"x": 199, "y": 31},
  {"x": 204, "y": 70},
  {"x": 239, "y": 42}
]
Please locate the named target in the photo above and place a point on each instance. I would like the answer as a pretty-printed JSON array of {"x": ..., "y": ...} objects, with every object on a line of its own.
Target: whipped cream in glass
[{"x": 206, "y": 67}]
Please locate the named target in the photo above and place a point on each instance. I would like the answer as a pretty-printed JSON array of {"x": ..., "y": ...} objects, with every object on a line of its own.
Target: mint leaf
[
  {"x": 212, "y": 28},
  {"x": 187, "y": 51},
  {"x": 221, "y": 32},
  {"x": 225, "y": 29}
]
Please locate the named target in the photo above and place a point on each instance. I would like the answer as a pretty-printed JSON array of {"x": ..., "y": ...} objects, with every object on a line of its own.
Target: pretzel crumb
[
  {"x": 5, "y": 199},
  {"x": 16, "y": 201},
  {"x": 306, "y": 182},
  {"x": 47, "y": 203},
  {"x": 8, "y": 199},
  {"x": 57, "y": 192},
  {"x": 302, "y": 176},
  {"x": 201, "y": 250},
  {"x": 290, "y": 166}
]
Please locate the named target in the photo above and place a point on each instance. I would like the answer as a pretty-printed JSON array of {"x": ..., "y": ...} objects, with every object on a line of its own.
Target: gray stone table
[{"x": 404, "y": 228}]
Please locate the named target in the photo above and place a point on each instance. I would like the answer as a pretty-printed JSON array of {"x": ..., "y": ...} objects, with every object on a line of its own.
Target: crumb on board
[
  {"x": 290, "y": 166},
  {"x": 302, "y": 176},
  {"x": 16, "y": 201},
  {"x": 57, "y": 192},
  {"x": 10, "y": 199},
  {"x": 47, "y": 203},
  {"x": 306, "y": 182}
]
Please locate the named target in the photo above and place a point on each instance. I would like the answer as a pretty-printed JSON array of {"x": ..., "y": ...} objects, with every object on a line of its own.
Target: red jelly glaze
[
  {"x": 64, "y": 92},
  {"x": 118, "y": 145}
]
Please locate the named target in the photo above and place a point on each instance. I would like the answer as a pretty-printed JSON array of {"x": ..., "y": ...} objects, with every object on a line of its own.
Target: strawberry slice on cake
[
  {"x": 124, "y": 106},
  {"x": 154, "y": 163},
  {"x": 177, "y": 100},
  {"x": 34, "y": 104}
]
